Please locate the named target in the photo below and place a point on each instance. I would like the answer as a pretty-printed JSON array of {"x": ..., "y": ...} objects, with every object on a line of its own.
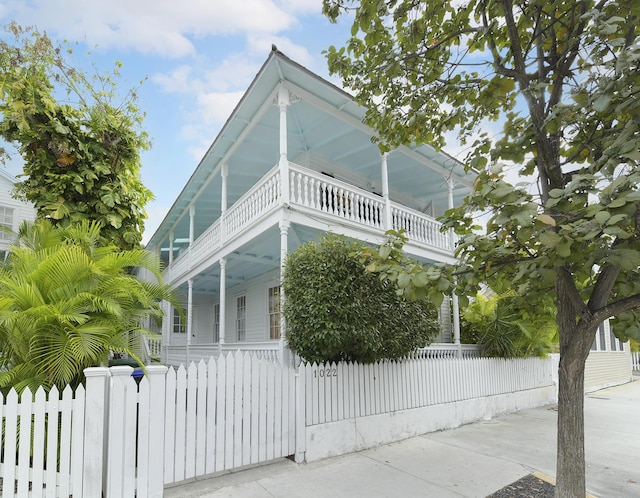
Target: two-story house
[{"x": 293, "y": 161}]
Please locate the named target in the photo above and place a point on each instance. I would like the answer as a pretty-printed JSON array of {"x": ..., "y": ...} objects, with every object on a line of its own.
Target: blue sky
[{"x": 198, "y": 56}]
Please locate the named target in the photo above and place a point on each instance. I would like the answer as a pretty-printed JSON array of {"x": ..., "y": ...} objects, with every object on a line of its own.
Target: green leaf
[{"x": 549, "y": 239}]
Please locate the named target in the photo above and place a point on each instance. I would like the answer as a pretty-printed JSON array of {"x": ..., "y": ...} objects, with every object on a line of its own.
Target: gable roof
[{"x": 325, "y": 125}]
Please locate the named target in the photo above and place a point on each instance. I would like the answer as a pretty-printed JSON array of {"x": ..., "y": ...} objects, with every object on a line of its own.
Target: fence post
[
  {"x": 301, "y": 422},
  {"x": 116, "y": 478},
  {"x": 95, "y": 434},
  {"x": 157, "y": 375}
]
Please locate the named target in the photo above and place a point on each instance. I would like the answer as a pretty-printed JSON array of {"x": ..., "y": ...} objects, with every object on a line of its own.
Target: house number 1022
[{"x": 326, "y": 372}]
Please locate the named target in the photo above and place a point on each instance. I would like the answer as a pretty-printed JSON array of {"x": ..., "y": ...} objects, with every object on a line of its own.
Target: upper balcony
[{"x": 312, "y": 196}]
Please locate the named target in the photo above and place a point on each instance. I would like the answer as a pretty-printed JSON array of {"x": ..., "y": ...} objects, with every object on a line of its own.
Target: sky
[{"x": 197, "y": 58}]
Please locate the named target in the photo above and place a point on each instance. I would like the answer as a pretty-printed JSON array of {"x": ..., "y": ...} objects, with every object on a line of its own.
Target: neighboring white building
[
  {"x": 609, "y": 362},
  {"x": 12, "y": 212},
  {"x": 293, "y": 161}
]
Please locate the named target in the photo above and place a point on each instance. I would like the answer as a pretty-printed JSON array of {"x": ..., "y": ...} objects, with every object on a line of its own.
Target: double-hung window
[
  {"x": 241, "y": 318},
  {"x": 274, "y": 312}
]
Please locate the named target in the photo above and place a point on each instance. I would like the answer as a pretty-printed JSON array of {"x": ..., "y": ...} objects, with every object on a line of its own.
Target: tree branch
[{"x": 617, "y": 308}]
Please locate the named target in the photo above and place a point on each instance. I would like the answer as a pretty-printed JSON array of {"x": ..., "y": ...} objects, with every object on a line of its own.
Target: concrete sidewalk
[{"x": 472, "y": 461}]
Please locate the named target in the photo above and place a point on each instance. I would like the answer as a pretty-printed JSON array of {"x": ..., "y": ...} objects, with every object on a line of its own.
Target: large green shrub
[{"x": 335, "y": 310}]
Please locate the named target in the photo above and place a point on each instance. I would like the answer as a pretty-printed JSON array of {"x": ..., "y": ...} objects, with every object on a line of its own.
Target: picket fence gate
[
  {"x": 635, "y": 361},
  {"x": 230, "y": 412}
]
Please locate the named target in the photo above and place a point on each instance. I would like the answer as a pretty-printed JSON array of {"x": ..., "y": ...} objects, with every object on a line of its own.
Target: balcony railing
[
  {"x": 329, "y": 197},
  {"x": 336, "y": 198}
]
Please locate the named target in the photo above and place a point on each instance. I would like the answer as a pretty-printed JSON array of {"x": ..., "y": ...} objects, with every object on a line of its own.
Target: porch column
[
  {"x": 171, "y": 237},
  {"x": 223, "y": 203},
  {"x": 284, "y": 233},
  {"x": 283, "y": 103},
  {"x": 455, "y": 309},
  {"x": 189, "y": 317},
  {"x": 167, "y": 324},
  {"x": 385, "y": 194},
  {"x": 192, "y": 221},
  {"x": 223, "y": 303}
]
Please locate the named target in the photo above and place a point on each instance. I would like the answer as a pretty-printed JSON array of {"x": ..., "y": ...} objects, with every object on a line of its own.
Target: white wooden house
[
  {"x": 12, "y": 212},
  {"x": 294, "y": 160}
]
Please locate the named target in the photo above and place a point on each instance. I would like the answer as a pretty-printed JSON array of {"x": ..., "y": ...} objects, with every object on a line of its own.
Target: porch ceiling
[
  {"x": 324, "y": 132},
  {"x": 260, "y": 255}
]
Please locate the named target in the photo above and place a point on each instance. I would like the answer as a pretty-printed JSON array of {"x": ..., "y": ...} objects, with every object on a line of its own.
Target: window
[
  {"x": 178, "y": 326},
  {"x": 216, "y": 323},
  {"x": 274, "y": 312},
  {"x": 601, "y": 336},
  {"x": 241, "y": 318},
  {"x": 6, "y": 223},
  {"x": 614, "y": 340}
]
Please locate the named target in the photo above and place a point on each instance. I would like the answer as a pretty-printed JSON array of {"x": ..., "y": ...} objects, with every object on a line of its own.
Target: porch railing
[
  {"x": 271, "y": 351},
  {"x": 336, "y": 198},
  {"x": 323, "y": 193},
  {"x": 448, "y": 351},
  {"x": 182, "y": 354},
  {"x": 316, "y": 192}
]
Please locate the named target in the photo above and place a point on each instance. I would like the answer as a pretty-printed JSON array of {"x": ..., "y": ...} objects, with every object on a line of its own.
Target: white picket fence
[
  {"x": 347, "y": 390},
  {"x": 42, "y": 443},
  {"x": 118, "y": 439},
  {"x": 635, "y": 362}
]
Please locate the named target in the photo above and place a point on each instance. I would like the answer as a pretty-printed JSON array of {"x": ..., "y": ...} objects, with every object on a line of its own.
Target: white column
[
  {"x": 385, "y": 193},
  {"x": 189, "y": 317},
  {"x": 283, "y": 103},
  {"x": 223, "y": 302},
  {"x": 455, "y": 309},
  {"x": 284, "y": 233},
  {"x": 223, "y": 203},
  {"x": 171, "y": 237},
  {"x": 192, "y": 221}
]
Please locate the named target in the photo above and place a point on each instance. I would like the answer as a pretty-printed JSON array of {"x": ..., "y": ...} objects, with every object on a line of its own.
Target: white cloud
[
  {"x": 216, "y": 107},
  {"x": 163, "y": 27},
  {"x": 260, "y": 44}
]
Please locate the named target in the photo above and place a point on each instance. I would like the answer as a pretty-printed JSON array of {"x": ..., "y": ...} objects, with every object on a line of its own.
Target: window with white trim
[
  {"x": 601, "y": 337},
  {"x": 178, "y": 326},
  {"x": 216, "y": 323},
  {"x": 6, "y": 222},
  {"x": 274, "y": 312},
  {"x": 241, "y": 318}
]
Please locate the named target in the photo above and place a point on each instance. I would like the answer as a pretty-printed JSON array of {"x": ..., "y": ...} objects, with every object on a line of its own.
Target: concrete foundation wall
[{"x": 346, "y": 436}]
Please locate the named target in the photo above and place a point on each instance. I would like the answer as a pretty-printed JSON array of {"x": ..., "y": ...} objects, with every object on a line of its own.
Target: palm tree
[{"x": 66, "y": 303}]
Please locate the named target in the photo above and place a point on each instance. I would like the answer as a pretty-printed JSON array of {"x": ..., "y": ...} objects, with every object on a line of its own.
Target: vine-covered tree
[
  {"x": 563, "y": 79},
  {"x": 80, "y": 144}
]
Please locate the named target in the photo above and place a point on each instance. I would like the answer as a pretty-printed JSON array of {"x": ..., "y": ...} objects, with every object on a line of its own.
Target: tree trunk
[
  {"x": 576, "y": 337},
  {"x": 570, "y": 471}
]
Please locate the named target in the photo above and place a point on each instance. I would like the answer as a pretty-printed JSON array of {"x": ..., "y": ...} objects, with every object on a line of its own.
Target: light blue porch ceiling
[{"x": 325, "y": 131}]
